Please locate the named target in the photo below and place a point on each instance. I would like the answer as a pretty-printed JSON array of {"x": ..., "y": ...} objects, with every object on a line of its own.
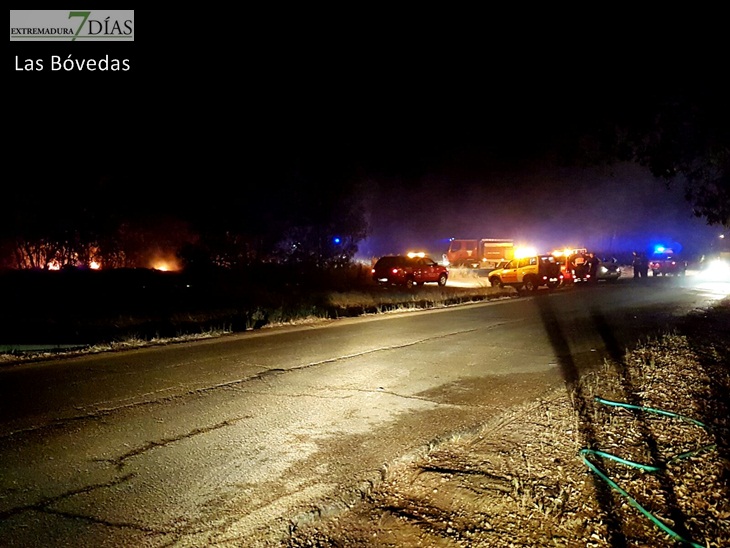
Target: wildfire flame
[{"x": 165, "y": 264}]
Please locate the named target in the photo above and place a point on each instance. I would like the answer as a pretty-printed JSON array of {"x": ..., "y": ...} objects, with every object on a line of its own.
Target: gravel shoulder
[{"x": 575, "y": 467}]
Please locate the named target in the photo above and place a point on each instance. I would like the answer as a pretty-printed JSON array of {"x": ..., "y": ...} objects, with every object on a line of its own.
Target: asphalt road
[{"x": 233, "y": 441}]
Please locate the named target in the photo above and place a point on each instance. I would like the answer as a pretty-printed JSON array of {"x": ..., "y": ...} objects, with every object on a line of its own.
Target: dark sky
[{"x": 450, "y": 125}]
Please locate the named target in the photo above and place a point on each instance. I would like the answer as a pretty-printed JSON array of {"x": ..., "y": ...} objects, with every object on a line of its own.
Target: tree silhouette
[{"x": 679, "y": 131}]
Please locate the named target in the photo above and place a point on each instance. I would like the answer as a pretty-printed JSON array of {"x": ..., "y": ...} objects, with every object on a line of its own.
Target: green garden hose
[{"x": 645, "y": 467}]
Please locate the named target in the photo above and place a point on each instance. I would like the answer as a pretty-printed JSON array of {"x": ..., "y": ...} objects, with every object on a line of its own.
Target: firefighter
[
  {"x": 593, "y": 264},
  {"x": 579, "y": 266}
]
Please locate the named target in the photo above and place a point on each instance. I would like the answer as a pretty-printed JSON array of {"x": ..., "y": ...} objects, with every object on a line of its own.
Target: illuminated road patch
[
  {"x": 713, "y": 290},
  {"x": 714, "y": 281}
]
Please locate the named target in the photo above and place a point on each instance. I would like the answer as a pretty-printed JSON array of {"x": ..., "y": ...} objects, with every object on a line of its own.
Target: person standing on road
[
  {"x": 593, "y": 263},
  {"x": 579, "y": 266},
  {"x": 641, "y": 265},
  {"x": 644, "y": 266},
  {"x": 636, "y": 263}
]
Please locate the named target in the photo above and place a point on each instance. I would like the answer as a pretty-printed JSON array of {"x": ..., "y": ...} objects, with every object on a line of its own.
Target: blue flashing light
[{"x": 337, "y": 240}]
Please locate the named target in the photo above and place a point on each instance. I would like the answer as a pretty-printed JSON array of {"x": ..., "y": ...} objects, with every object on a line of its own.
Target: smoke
[{"x": 614, "y": 210}]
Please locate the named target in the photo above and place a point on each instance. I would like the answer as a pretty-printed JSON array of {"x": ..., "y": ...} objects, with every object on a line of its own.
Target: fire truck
[{"x": 484, "y": 253}]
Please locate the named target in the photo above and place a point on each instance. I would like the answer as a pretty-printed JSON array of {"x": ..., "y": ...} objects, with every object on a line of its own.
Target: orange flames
[{"x": 165, "y": 264}]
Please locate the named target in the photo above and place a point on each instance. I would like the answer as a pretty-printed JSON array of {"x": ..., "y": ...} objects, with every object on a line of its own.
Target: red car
[{"x": 409, "y": 271}]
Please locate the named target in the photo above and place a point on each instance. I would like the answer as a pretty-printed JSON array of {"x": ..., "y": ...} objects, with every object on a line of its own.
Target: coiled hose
[{"x": 646, "y": 467}]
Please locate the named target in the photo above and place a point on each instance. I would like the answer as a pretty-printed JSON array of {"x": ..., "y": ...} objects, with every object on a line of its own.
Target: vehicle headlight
[{"x": 718, "y": 270}]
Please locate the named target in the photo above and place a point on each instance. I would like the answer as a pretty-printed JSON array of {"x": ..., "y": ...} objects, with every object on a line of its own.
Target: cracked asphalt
[{"x": 236, "y": 441}]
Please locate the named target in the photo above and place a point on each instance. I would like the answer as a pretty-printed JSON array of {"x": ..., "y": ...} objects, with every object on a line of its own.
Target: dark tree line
[
  {"x": 692, "y": 147},
  {"x": 678, "y": 125},
  {"x": 114, "y": 222}
]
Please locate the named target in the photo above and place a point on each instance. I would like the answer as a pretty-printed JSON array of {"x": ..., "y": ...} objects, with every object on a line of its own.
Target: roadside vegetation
[{"x": 123, "y": 310}]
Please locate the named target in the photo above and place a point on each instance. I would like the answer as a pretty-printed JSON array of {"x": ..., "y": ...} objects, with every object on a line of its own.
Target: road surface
[{"x": 232, "y": 441}]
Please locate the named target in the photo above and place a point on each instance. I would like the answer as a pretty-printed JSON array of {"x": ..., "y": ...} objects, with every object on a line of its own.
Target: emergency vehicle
[{"x": 483, "y": 253}]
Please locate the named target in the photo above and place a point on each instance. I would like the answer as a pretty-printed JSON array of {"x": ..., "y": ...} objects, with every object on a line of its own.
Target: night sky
[{"x": 450, "y": 128}]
